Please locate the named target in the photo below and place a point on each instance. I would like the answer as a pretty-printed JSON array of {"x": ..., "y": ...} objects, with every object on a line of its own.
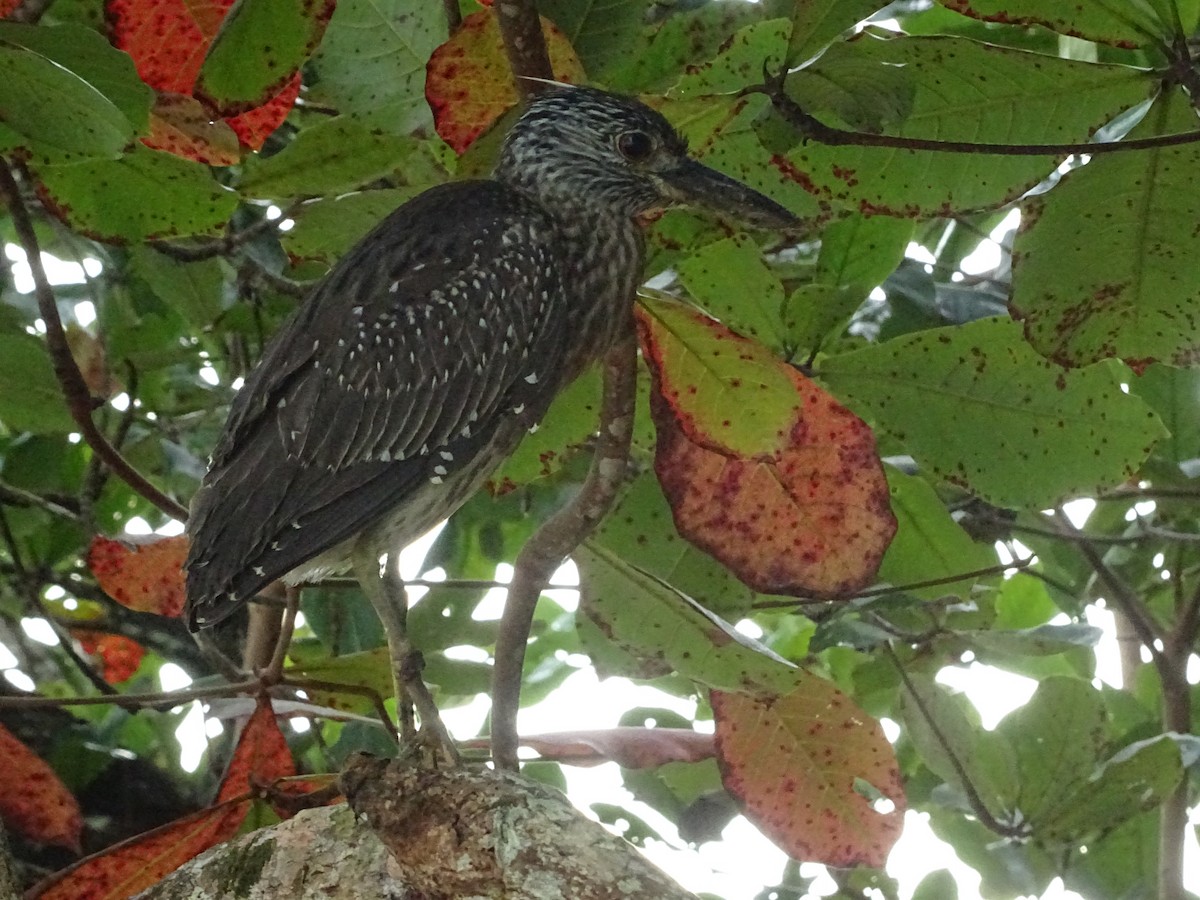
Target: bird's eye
[{"x": 635, "y": 146}]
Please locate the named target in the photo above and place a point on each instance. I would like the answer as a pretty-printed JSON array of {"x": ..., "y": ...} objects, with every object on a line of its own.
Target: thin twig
[
  {"x": 978, "y": 807},
  {"x": 884, "y": 590},
  {"x": 1117, "y": 590},
  {"x": 75, "y": 390},
  {"x": 557, "y": 537},
  {"x": 16, "y": 496},
  {"x": 521, "y": 30},
  {"x": 814, "y": 129},
  {"x": 453, "y": 15},
  {"x": 231, "y": 241}
]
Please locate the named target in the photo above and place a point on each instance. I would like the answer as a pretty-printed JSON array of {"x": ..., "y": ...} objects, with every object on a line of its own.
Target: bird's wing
[{"x": 418, "y": 347}]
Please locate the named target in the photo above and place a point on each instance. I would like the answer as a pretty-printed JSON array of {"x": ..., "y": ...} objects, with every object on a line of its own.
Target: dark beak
[{"x": 693, "y": 184}]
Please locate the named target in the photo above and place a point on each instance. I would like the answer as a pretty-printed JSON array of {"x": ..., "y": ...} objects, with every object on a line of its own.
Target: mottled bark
[{"x": 458, "y": 833}]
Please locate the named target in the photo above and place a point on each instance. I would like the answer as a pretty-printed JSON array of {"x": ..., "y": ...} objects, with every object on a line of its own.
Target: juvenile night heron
[{"x": 417, "y": 364}]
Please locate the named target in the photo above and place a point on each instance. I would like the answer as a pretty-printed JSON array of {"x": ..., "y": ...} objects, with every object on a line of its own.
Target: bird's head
[{"x": 582, "y": 149}]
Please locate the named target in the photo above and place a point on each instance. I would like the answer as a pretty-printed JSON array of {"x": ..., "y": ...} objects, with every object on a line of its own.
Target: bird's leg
[
  {"x": 396, "y": 595},
  {"x": 405, "y": 659},
  {"x": 273, "y": 673},
  {"x": 557, "y": 537}
]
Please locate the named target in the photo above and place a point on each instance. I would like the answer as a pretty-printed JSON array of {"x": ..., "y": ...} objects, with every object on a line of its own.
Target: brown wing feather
[{"x": 423, "y": 339}]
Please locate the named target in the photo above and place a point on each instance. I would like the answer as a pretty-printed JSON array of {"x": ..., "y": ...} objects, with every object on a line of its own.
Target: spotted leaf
[
  {"x": 1122, "y": 24},
  {"x": 1025, "y": 432},
  {"x": 470, "y": 85},
  {"x": 813, "y": 771},
  {"x": 1104, "y": 265},
  {"x": 145, "y": 576},
  {"x": 762, "y": 468},
  {"x": 35, "y": 803}
]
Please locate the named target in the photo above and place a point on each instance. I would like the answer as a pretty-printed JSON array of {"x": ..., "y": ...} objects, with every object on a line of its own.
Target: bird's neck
[{"x": 607, "y": 258}]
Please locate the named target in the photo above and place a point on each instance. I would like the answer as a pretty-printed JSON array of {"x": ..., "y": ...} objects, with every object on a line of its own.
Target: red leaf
[
  {"x": 143, "y": 575},
  {"x": 119, "y": 656},
  {"x": 799, "y": 766},
  {"x": 134, "y": 865},
  {"x": 34, "y": 802},
  {"x": 256, "y": 125},
  {"x": 762, "y": 468},
  {"x": 261, "y": 756},
  {"x": 7, "y": 7},
  {"x": 469, "y": 84},
  {"x": 168, "y": 40}
]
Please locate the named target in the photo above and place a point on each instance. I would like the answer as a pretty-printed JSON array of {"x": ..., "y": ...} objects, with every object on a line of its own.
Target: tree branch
[
  {"x": 1118, "y": 591},
  {"x": 521, "y": 30},
  {"x": 557, "y": 537},
  {"x": 75, "y": 390}
]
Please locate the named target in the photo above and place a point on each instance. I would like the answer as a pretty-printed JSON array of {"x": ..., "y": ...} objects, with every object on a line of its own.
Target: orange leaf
[
  {"x": 812, "y": 771},
  {"x": 34, "y": 802},
  {"x": 254, "y": 126},
  {"x": 469, "y": 84},
  {"x": 119, "y": 656},
  {"x": 261, "y": 756},
  {"x": 143, "y": 575},
  {"x": 168, "y": 40},
  {"x": 762, "y": 468},
  {"x": 179, "y": 124},
  {"x": 134, "y": 865}
]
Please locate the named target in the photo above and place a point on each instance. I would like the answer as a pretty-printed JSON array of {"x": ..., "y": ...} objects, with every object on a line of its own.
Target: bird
[{"x": 416, "y": 365}]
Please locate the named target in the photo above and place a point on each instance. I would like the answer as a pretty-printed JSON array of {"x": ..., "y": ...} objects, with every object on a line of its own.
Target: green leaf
[
  {"x": 945, "y": 729},
  {"x": 45, "y": 103},
  {"x": 1175, "y": 395},
  {"x": 730, "y": 280},
  {"x": 860, "y": 252},
  {"x": 1056, "y": 738},
  {"x": 957, "y": 90},
  {"x": 86, "y": 53},
  {"x": 928, "y": 544},
  {"x": 647, "y": 618},
  {"x": 570, "y": 421},
  {"x": 1125, "y": 23},
  {"x": 1043, "y": 640},
  {"x": 326, "y": 229},
  {"x": 812, "y": 311},
  {"x": 739, "y": 62},
  {"x": 195, "y": 289},
  {"x": 30, "y": 398},
  {"x": 937, "y": 885},
  {"x": 1023, "y": 602},
  {"x": 654, "y": 60},
  {"x": 1103, "y": 265},
  {"x": 372, "y": 60},
  {"x": 260, "y": 45},
  {"x": 816, "y": 23},
  {"x": 975, "y": 405},
  {"x": 600, "y": 33},
  {"x": 335, "y": 155},
  {"x": 640, "y": 531},
  {"x": 145, "y": 195},
  {"x": 1136, "y": 779}
]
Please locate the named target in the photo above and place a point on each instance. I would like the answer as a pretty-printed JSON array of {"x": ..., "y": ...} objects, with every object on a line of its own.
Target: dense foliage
[{"x": 1011, "y": 312}]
